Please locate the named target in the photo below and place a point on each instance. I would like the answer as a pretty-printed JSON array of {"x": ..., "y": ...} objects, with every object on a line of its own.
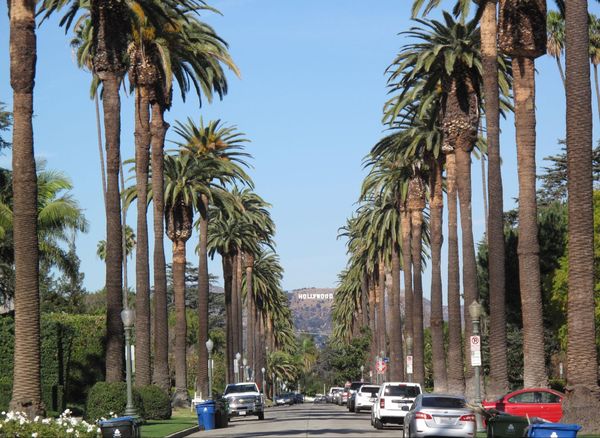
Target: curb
[{"x": 184, "y": 433}]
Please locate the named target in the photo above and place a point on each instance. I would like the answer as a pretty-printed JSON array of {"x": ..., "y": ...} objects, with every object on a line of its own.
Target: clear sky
[{"x": 310, "y": 99}]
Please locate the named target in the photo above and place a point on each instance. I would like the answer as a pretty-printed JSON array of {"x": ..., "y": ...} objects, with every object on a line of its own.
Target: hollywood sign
[{"x": 315, "y": 296}]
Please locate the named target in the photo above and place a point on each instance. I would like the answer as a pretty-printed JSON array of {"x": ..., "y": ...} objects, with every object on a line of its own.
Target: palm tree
[
  {"x": 556, "y": 39},
  {"x": 181, "y": 194},
  {"x": 217, "y": 152},
  {"x": 523, "y": 37},
  {"x": 130, "y": 244},
  {"x": 581, "y": 356},
  {"x": 595, "y": 52},
  {"x": 26, "y": 395}
]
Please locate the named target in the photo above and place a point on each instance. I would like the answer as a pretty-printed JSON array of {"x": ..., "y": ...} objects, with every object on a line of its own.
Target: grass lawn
[{"x": 180, "y": 420}]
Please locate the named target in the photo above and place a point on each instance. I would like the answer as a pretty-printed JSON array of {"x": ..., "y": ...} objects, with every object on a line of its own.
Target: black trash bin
[
  {"x": 120, "y": 427},
  {"x": 507, "y": 426}
]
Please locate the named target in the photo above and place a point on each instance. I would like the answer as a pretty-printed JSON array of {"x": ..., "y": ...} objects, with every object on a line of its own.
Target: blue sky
[{"x": 310, "y": 99}]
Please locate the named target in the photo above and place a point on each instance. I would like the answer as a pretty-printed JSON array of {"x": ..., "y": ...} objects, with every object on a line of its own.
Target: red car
[{"x": 531, "y": 402}]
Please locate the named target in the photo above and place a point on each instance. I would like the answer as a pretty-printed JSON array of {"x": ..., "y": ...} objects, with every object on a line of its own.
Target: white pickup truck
[
  {"x": 394, "y": 400},
  {"x": 244, "y": 399}
]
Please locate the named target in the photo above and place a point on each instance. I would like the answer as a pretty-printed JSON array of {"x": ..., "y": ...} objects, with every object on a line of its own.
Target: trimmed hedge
[
  {"x": 72, "y": 358},
  {"x": 157, "y": 405},
  {"x": 105, "y": 398}
]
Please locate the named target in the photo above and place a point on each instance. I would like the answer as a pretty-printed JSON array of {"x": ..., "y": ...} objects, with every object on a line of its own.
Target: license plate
[
  {"x": 445, "y": 420},
  {"x": 242, "y": 412},
  {"x": 373, "y": 399}
]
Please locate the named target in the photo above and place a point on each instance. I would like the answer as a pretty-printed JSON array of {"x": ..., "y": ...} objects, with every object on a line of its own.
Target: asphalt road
[{"x": 304, "y": 420}]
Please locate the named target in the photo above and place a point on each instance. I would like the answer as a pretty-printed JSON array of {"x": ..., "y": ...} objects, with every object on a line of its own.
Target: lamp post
[
  {"x": 128, "y": 317},
  {"x": 475, "y": 311},
  {"x": 262, "y": 370},
  {"x": 409, "y": 358},
  {"x": 362, "y": 373},
  {"x": 245, "y": 369},
  {"x": 209, "y": 348},
  {"x": 236, "y": 367}
]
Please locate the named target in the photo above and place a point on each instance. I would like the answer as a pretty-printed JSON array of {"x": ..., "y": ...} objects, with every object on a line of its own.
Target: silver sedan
[{"x": 439, "y": 415}]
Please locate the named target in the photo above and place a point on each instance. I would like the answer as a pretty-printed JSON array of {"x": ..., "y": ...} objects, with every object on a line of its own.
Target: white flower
[
  {"x": 34, "y": 435},
  {"x": 70, "y": 430},
  {"x": 46, "y": 421},
  {"x": 98, "y": 430},
  {"x": 36, "y": 419}
]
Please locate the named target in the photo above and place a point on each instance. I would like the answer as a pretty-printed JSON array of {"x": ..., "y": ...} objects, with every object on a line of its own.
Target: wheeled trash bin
[
  {"x": 553, "y": 430},
  {"x": 507, "y": 426},
  {"x": 206, "y": 414},
  {"x": 123, "y": 427}
]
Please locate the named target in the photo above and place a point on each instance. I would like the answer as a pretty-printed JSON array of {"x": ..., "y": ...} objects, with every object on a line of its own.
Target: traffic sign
[
  {"x": 476, "y": 358},
  {"x": 386, "y": 359},
  {"x": 381, "y": 367},
  {"x": 409, "y": 364},
  {"x": 475, "y": 343}
]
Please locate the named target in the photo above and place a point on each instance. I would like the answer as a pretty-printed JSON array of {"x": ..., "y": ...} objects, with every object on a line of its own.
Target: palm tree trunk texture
[
  {"x": 364, "y": 296},
  {"x": 456, "y": 379},
  {"x": 440, "y": 376},
  {"x": 114, "y": 253},
  {"x": 236, "y": 325},
  {"x": 597, "y": 87},
  {"x": 180, "y": 397},
  {"x": 372, "y": 320},
  {"x": 238, "y": 275},
  {"x": 463, "y": 168},
  {"x": 534, "y": 371},
  {"x": 100, "y": 151},
  {"x": 203, "y": 296},
  {"x": 254, "y": 368},
  {"x": 381, "y": 327},
  {"x": 26, "y": 395},
  {"x": 250, "y": 324},
  {"x": 498, "y": 379},
  {"x": 582, "y": 404},
  {"x": 158, "y": 130},
  {"x": 228, "y": 286},
  {"x": 407, "y": 272},
  {"x": 419, "y": 340},
  {"x": 395, "y": 331},
  {"x": 143, "y": 370}
]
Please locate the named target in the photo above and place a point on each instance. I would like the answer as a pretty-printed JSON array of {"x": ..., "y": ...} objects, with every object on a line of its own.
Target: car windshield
[
  {"x": 354, "y": 386},
  {"x": 401, "y": 390},
  {"x": 233, "y": 389},
  {"x": 373, "y": 390},
  {"x": 443, "y": 402}
]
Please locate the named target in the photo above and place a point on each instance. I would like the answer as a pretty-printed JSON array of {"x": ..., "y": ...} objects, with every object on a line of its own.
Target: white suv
[
  {"x": 244, "y": 399},
  {"x": 365, "y": 397},
  {"x": 394, "y": 400}
]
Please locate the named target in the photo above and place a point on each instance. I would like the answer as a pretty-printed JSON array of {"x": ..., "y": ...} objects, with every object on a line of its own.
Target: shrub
[
  {"x": 157, "y": 405},
  {"x": 108, "y": 398},
  {"x": 17, "y": 424}
]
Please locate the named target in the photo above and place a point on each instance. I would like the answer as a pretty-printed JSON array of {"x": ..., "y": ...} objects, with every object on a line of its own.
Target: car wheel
[
  {"x": 378, "y": 424},
  {"x": 357, "y": 410},
  {"x": 261, "y": 415}
]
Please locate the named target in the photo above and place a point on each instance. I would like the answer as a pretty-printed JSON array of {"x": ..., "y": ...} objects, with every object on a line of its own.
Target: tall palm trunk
[
  {"x": 251, "y": 312},
  {"x": 180, "y": 397},
  {"x": 597, "y": 86},
  {"x": 158, "y": 130},
  {"x": 534, "y": 372},
  {"x": 364, "y": 297},
  {"x": 416, "y": 204},
  {"x": 114, "y": 252},
  {"x": 236, "y": 325},
  {"x": 239, "y": 272},
  {"x": 143, "y": 371},
  {"x": 583, "y": 401},
  {"x": 381, "y": 323},
  {"x": 440, "y": 376},
  {"x": 372, "y": 320},
  {"x": 203, "y": 297},
  {"x": 100, "y": 151},
  {"x": 456, "y": 379},
  {"x": 407, "y": 272},
  {"x": 26, "y": 395},
  {"x": 498, "y": 379},
  {"x": 395, "y": 331},
  {"x": 228, "y": 286},
  {"x": 109, "y": 39}
]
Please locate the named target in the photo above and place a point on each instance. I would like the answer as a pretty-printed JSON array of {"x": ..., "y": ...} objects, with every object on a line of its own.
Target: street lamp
[
  {"x": 409, "y": 358},
  {"x": 475, "y": 311},
  {"x": 236, "y": 367},
  {"x": 209, "y": 348},
  {"x": 128, "y": 318},
  {"x": 362, "y": 373},
  {"x": 245, "y": 369},
  {"x": 262, "y": 370}
]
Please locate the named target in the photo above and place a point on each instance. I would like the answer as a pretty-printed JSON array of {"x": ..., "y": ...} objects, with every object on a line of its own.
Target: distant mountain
[{"x": 311, "y": 310}]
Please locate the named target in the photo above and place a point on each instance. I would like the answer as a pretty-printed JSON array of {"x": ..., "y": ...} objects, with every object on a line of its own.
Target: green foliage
[
  {"x": 72, "y": 357},
  {"x": 15, "y": 424},
  {"x": 341, "y": 361},
  {"x": 157, "y": 405},
  {"x": 5, "y": 124},
  {"x": 108, "y": 398}
]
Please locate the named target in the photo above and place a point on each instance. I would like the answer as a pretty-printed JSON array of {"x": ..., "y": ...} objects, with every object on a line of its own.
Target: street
[{"x": 323, "y": 420}]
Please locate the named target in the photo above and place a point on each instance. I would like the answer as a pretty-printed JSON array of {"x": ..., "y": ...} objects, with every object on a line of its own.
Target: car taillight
[
  {"x": 382, "y": 403},
  {"x": 469, "y": 417},
  {"x": 423, "y": 416}
]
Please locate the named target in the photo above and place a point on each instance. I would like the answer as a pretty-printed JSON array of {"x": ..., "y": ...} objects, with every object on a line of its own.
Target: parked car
[
  {"x": 344, "y": 397},
  {"x": 337, "y": 397},
  {"x": 298, "y": 398},
  {"x": 244, "y": 399},
  {"x": 438, "y": 415},
  {"x": 330, "y": 397},
  {"x": 320, "y": 399},
  {"x": 351, "y": 391},
  {"x": 285, "y": 399},
  {"x": 531, "y": 402},
  {"x": 394, "y": 400},
  {"x": 364, "y": 398}
]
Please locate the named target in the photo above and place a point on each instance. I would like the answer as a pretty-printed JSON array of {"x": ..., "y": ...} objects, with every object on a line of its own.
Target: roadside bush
[
  {"x": 157, "y": 405},
  {"x": 106, "y": 399}
]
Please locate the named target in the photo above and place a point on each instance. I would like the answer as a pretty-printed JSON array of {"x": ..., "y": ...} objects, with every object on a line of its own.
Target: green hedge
[
  {"x": 157, "y": 405},
  {"x": 105, "y": 398},
  {"x": 72, "y": 358}
]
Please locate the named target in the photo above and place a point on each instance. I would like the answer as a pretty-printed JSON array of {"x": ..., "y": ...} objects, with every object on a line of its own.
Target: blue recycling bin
[
  {"x": 206, "y": 414},
  {"x": 553, "y": 430}
]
